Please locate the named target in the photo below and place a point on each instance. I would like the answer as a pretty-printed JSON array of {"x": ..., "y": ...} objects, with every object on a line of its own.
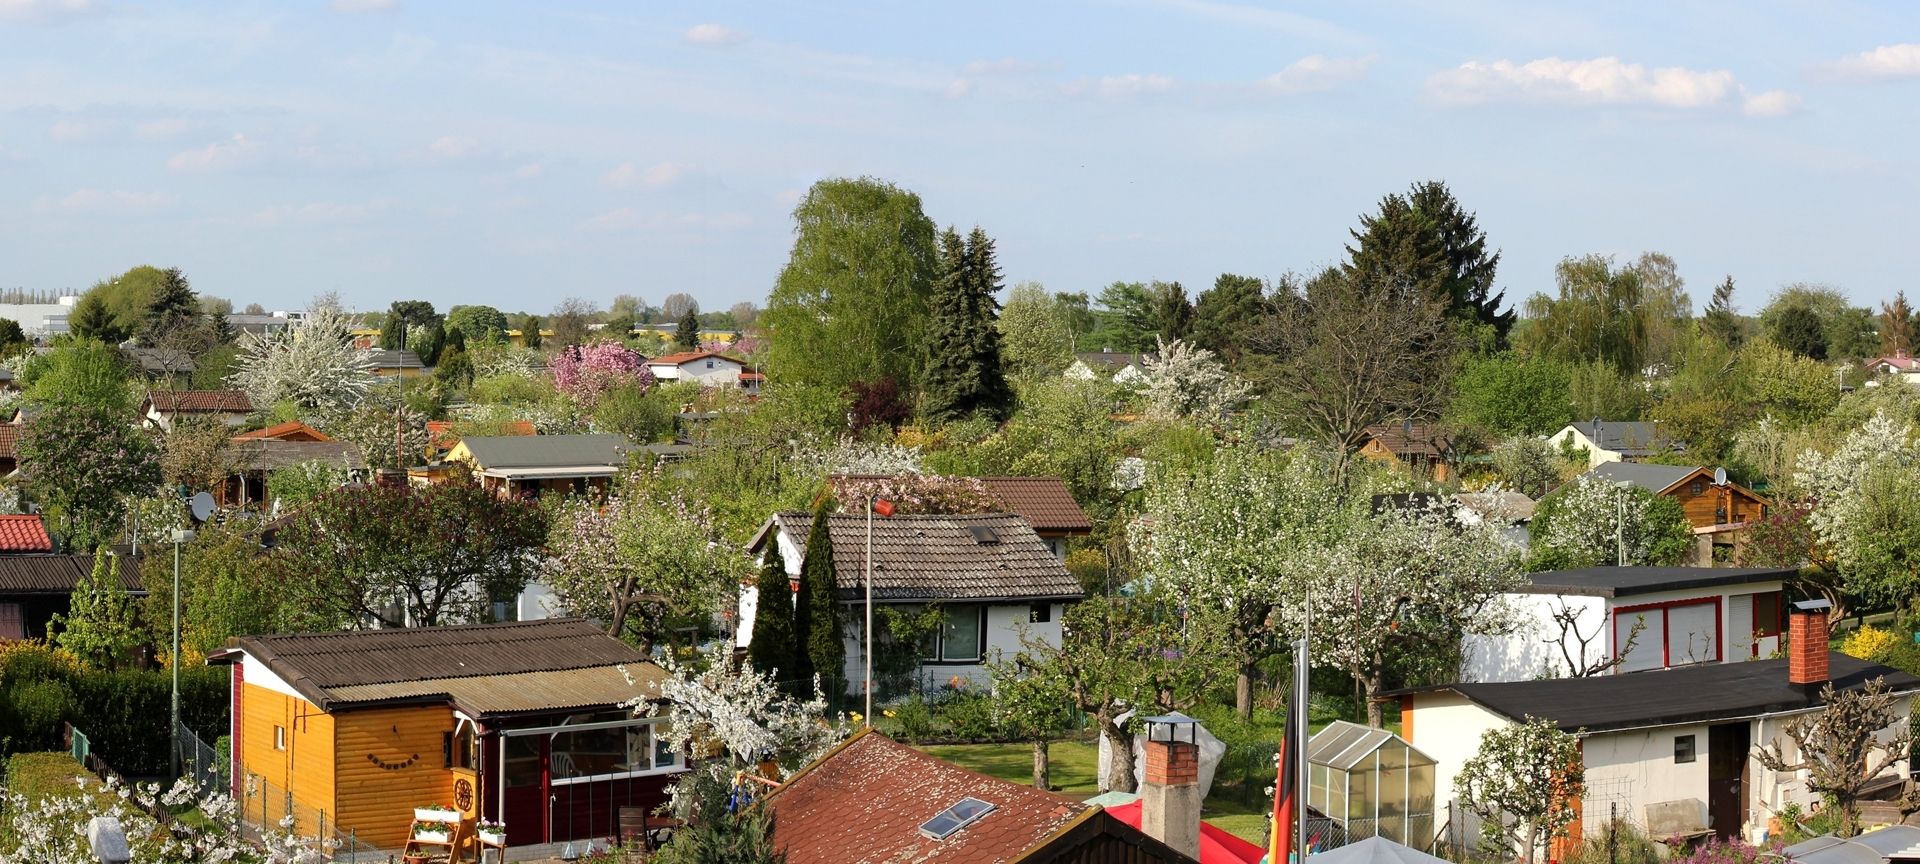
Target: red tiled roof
[
  {"x": 201, "y": 401},
  {"x": 864, "y": 803},
  {"x": 1046, "y": 503},
  {"x": 292, "y": 430},
  {"x": 9, "y": 441},
  {"x": 1415, "y": 440},
  {"x": 1898, "y": 361},
  {"x": 24, "y": 534}
]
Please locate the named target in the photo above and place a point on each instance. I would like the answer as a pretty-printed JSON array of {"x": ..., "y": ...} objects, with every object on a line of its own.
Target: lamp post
[
  {"x": 180, "y": 536},
  {"x": 885, "y": 507}
]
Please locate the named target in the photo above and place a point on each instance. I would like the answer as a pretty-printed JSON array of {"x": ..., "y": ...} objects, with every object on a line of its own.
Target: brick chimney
[
  {"x": 1807, "y": 643},
  {"x": 1170, "y": 797}
]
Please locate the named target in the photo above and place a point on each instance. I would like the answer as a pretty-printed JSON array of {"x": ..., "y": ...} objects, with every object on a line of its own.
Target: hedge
[{"x": 124, "y": 714}]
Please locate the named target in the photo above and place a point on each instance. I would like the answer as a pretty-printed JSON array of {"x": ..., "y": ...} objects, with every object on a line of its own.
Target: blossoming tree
[{"x": 586, "y": 372}]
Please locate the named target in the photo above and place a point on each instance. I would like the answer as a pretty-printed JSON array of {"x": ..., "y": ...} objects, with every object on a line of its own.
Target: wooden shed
[{"x": 520, "y": 722}]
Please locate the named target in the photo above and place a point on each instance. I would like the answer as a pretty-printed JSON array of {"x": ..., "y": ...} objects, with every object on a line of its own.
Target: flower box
[
  {"x": 435, "y": 814},
  {"x": 433, "y": 835},
  {"x": 494, "y": 838}
]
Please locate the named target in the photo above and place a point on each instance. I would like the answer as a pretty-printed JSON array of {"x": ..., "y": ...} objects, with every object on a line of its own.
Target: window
[
  {"x": 1040, "y": 613},
  {"x": 1766, "y": 614},
  {"x": 1671, "y": 634},
  {"x": 959, "y": 638},
  {"x": 1682, "y": 748},
  {"x": 279, "y": 737},
  {"x": 457, "y": 747},
  {"x": 709, "y": 364},
  {"x": 1699, "y": 485},
  {"x": 608, "y": 752}
]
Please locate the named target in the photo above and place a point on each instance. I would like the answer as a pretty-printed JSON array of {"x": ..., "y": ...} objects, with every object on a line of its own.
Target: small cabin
[{"x": 521, "y": 722}]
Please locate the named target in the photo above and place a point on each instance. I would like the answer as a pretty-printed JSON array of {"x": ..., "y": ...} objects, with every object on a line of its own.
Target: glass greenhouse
[{"x": 1372, "y": 782}]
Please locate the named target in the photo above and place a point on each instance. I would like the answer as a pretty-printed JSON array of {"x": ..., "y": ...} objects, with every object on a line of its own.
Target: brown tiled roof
[
  {"x": 1046, "y": 502},
  {"x": 201, "y": 401},
  {"x": 357, "y": 667},
  {"x": 864, "y": 802},
  {"x": 24, "y": 534},
  {"x": 1416, "y": 440},
  {"x": 9, "y": 441},
  {"x": 292, "y": 430},
  {"x": 937, "y": 557},
  {"x": 57, "y": 574}
]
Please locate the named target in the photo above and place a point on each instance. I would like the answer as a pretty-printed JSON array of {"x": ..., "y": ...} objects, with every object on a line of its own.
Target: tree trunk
[
  {"x": 1243, "y": 691},
  {"x": 1372, "y": 685},
  {"x": 1120, "y": 773},
  {"x": 1041, "y": 778},
  {"x": 1533, "y": 836}
]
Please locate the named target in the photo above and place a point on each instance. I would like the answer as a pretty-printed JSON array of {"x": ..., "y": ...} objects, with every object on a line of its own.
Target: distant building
[
  {"x": 1425, "y": 449},
  {"x": 397, "y": 363},
  {"x": 709, "y": 368},
  {"x": 1897, "y": 366},
  {"x": 162, "y": 408},
  {"x": 1614, "y": 441},
  {"x": 41, "y": 319},
  {"x": 264, "y": 324},
  {"x": 1121, "y": 367}
]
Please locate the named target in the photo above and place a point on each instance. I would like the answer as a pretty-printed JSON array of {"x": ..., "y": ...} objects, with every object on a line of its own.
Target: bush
[
  {"x": 35, "y": 712},
  {"x": 1870, "y": 643},
  {"x": 124, "y": 714},
  {"x": 39, "y": 775},
  {"x": 969, "y": 716},
  {"x": 915, "y": 719},
  {"x": 1619, "y": 841}
]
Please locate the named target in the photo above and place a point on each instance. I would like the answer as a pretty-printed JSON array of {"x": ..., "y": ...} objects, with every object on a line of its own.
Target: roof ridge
[{"x": 441, "y": 628}]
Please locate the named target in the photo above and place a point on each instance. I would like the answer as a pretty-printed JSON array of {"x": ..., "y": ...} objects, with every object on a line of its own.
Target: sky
[{"x": 519, "y": 154}]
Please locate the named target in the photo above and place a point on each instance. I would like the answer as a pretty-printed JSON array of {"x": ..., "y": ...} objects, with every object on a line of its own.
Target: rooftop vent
[
  {"x": 948, "y": 822},
  {"x": 983, "y": 535}
]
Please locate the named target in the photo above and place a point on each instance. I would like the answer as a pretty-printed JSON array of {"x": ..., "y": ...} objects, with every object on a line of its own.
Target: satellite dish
[
  {"x": 201, "y": 506},
  {"x": 1719, "y": 476}
]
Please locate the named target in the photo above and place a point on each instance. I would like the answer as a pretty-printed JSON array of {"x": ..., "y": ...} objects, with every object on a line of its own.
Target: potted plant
[
  {"x": 435, "y": 813},
  {"x": 492, "y": 833},
  {"x": 432, "y": 832}
]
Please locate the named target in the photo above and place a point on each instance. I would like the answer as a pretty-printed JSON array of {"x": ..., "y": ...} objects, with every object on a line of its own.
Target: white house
[
  {"x": 1611, "y": 441},
  {"x": 162, "y": 408},
  {"x": 1672, "y": 616},
  {"x": 1121, "y": 367},
  {"x": 991, "y": 576},
  {"x": 1671, "y": 751},
  {"x": 709, "y": 368},
  {"x": 1897, "y": 367}
]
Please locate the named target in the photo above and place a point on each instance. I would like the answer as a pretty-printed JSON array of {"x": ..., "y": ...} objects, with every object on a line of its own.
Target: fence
[
  {"x": 268, "y": 810},
  {"x": 200, "y": 763},
  {"x": 79, "y": 747}
]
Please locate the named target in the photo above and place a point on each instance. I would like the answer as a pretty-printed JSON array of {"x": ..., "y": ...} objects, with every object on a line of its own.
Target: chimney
[
  {"x": 1807, "y": 643},
  {"x": 1170, "y": 797}
]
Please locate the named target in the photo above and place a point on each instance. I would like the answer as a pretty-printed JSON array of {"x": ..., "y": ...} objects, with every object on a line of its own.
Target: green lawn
[{"x": 1072, "y": 771}]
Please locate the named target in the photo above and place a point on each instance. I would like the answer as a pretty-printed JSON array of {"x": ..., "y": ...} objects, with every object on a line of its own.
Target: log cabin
[{"x": 1719, "y": 510}]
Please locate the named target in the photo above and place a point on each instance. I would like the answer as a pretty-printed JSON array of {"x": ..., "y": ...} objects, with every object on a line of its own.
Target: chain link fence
[{"x": 266, "y": 809}]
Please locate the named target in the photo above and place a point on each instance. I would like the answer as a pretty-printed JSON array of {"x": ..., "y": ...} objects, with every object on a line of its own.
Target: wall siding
[
  {"x": 304, "y": 768},
  {"x": 376, "y": 801}
]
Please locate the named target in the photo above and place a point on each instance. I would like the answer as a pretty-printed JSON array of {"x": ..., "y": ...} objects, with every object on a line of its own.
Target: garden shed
[{"x": 1372, "y": 782}]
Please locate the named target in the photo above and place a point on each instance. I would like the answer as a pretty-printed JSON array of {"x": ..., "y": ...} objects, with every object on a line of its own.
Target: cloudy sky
[{"x": 489, "y": 153}]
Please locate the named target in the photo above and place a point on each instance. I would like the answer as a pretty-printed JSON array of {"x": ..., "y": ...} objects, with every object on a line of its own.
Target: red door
[{"x": 526, "y": 789}]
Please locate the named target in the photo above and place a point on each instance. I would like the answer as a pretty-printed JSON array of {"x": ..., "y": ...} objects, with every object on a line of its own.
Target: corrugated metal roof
[
  {"x": 57, "y": 574},
  {"x": 928, "y": 557},
  {"x": 266, "y": 454},
  {"x": 1646, "y": 475},
  {"x": 593, "y": 687}
]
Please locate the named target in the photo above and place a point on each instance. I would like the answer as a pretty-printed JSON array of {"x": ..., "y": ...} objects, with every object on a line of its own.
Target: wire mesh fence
[
  {"x": 267, "y": 809},
  {"x": 199, "y": 762}
]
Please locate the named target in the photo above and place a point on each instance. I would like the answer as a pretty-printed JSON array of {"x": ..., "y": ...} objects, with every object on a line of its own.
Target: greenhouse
[{"x": 1372, "y": 782}]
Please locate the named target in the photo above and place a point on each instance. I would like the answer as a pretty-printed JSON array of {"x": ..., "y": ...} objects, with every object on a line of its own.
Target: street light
[
  {"x": 181, "y": 536},
  {"x": 885, "y": 508}
]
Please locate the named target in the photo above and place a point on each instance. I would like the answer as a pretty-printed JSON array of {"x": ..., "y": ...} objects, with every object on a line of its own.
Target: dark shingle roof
[
  {"x": 1637, "y": 438},
  {"x": 1045, "y": 502},
  {"x": 162, "y": 361},
  {"x": 57, "y": 574},
  {"x": 548, "y": 451},
  {"x": 395, "y": 358},
  {"x": 1692, "y": 694},
  {"x": 266, "y": 454},
  {"x": 201, "y": 401},
  {"x": 937, "y": 557},
  {"x": 1648, "y": 476},
  {"x": 1417, "y": 439},
  {"x": 1627, "y": 581},
  {"x": 1112, "y": 361}
]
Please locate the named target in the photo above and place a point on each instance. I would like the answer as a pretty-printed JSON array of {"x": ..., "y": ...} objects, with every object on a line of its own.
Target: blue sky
[{"x": 519, "y": 154}]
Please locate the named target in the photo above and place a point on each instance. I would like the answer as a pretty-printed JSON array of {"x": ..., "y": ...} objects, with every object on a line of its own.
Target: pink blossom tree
[{"x": 586, "y": 372}]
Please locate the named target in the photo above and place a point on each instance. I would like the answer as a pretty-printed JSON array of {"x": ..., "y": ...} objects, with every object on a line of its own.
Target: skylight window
[
  {"x": 949, "y": 821},
  {"x": 984, "y": 535}
]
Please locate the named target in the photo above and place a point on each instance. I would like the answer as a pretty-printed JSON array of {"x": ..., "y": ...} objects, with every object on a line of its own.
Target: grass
[{"x": 1073, "y": 770}]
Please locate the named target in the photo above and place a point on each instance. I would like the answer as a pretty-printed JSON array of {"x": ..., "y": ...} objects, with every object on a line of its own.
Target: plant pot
[
  {"x": 428, "y": 814},
  {"x": 494, "y": 838},
  {"x": 414, "y": 859}
]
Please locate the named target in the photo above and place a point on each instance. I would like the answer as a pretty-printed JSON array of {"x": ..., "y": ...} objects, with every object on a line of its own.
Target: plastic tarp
[{"x": 1210, "y": 752}]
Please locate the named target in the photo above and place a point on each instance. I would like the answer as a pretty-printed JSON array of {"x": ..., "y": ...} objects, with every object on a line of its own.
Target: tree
[
  {"x": 99, "y": 627},
  {"x": 93, "y": 321},
  {"x": 818, "y": 631},
  {"x": 1428, "y": 239},
  {"x": 1126, "y": 319},
  {"x": 1855, "y": 492},
  {"x": 1861, "y": 734},
  {"x": 687, "y": 337},
  {"x": 1846, "y": 331},
  {"x": 1172, "y": 311},
  {"x": 80, "y": 373},
  {"x": 402, "y": 317},
  {"x": 254, "y": 309},
  {"x": 316, "y": 367},
  {"x": 1507, "y": 394},
  {"x": 387, "y": 432},
  {"x": 479, "y": 323},
  {"x": 1225, "y": 316},
  {"x": 587, "y": 372},
  {"x": 744, "y": 313},
  {"x": 1582, "y": 658},
  {"x": 570, "y": 321},
  {"x": 1035, "y": 338},
  {"x": 646, "y": 561},
  {"x": 12, "y": 338},
  {"x": 1034, "y": 704},
  {"x": 225, "y": 591},
  {"x": 1591, "y": 522},
  {"x": 83, "y": 463},
  {"x": 1348, "y": 352},
  {"x": 1186, "y": 382},
  {"x": 1601, "y": 313},
  {"x": 1798, "y": 329},
  {"x": 196, "y": 453},
  {"x": 1896, "y": 326},
  {"x": 1527, "y": 464},
  {"x": 1722, "y": 321},
  {"x": 879, "y": 404},
  {"x": 678, "y": 305},
  {"x": 530, "y": 331},
  {"x": 398, "y": 557},
  {"x": 173, "y": 305},
  {"x": 1524, "y": 783},
  {"x": 1664, "y": 305},
  {"x": 772, "y": 648},
  {"x": 851, "y": 302},
  {"x": 963, "y": 375},
  {"x": 126, "y": 299}
]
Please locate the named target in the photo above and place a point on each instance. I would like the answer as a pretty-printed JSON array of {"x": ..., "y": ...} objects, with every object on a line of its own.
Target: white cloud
[
  {"x": 1315, "y": 72},
  {"x": 713, "y": 35},
  {"x": 359, "y": 6},
  {"x": 1120, "y": 86},
  {"x": 1882, "y": 63},
  {"x": 39, "y": 10},
  {"x": 105, "y": 201},
  {"x": 958, "y": 88},
  {"x": 218, "y": 156},
  {"x": 628, "y": 176},
  {"x": 528, "y": 171},
  {"x": 79, "y": 130},
  {"x": 449, "y": 147},
  {"x": 1602, "y": 81}
]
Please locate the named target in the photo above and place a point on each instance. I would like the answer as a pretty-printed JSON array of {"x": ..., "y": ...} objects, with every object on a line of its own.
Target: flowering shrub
[
  {"x": 53, "y": 827},
  {"x": 914, "y": 494},
  {"x": 1869, "y": 643},
  {"x": 848, "y": 456},
  {"x": 1717, "y": 851},
  {"x": 584, "y": 372}
]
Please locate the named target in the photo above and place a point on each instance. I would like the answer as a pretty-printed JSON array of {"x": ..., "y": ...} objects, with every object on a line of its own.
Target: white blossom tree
[
  {"x": 1523, "y": 784},
  {"x": 1185, "y": 381},
  {"x": 1851, "y": 488},
  {"x": 1589, "y": 521},
  {"x": 315, "y": 366},
  {"x": 53, "y": 827}
]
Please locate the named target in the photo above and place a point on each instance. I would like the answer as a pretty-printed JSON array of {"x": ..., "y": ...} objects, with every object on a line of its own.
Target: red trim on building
[
  {"x": 1666, "y": 630},
  {"x": 234, "y": 728}
]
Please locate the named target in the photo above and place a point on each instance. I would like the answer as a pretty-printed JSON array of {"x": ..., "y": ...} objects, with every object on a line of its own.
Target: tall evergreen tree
[
  {"x": 688, "y": 336},
  {"x": 1225, "y": 315},
  {"x": 1721, "y": 321},
  {"x": 1426, "y": 240},
  {"x": 530, "y": 331},
  {"x": 1172, "y": 311},
  {"x": 819, "y": 634},
  {"x": 963, "y": 374},
  {"x": 1896, "y": 326},
  {"x": 93, "y": 320},
  {"x": 173, "y": 305},
  {"x": 1471, "y": 268},
  {"x": 771, "y": 651}
]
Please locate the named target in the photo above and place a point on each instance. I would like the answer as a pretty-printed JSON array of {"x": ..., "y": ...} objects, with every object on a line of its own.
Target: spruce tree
[
  {"x": 771, "y": 650},
  {"x": 530, "y": 332},
  {"x": 825, "y": 639},
  {"x": 964, "y": 374},
  {"x": 996, "y": 395},
  {"x": 1424, "y": 240},
  {"x": 688, "y": 336},
  {"x": 1720, "y": 320},
  {"x": 173, "y": 304}
]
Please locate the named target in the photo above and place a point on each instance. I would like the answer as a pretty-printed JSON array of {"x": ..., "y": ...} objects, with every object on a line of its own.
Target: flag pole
[{"x": 1302, "y": 669}]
